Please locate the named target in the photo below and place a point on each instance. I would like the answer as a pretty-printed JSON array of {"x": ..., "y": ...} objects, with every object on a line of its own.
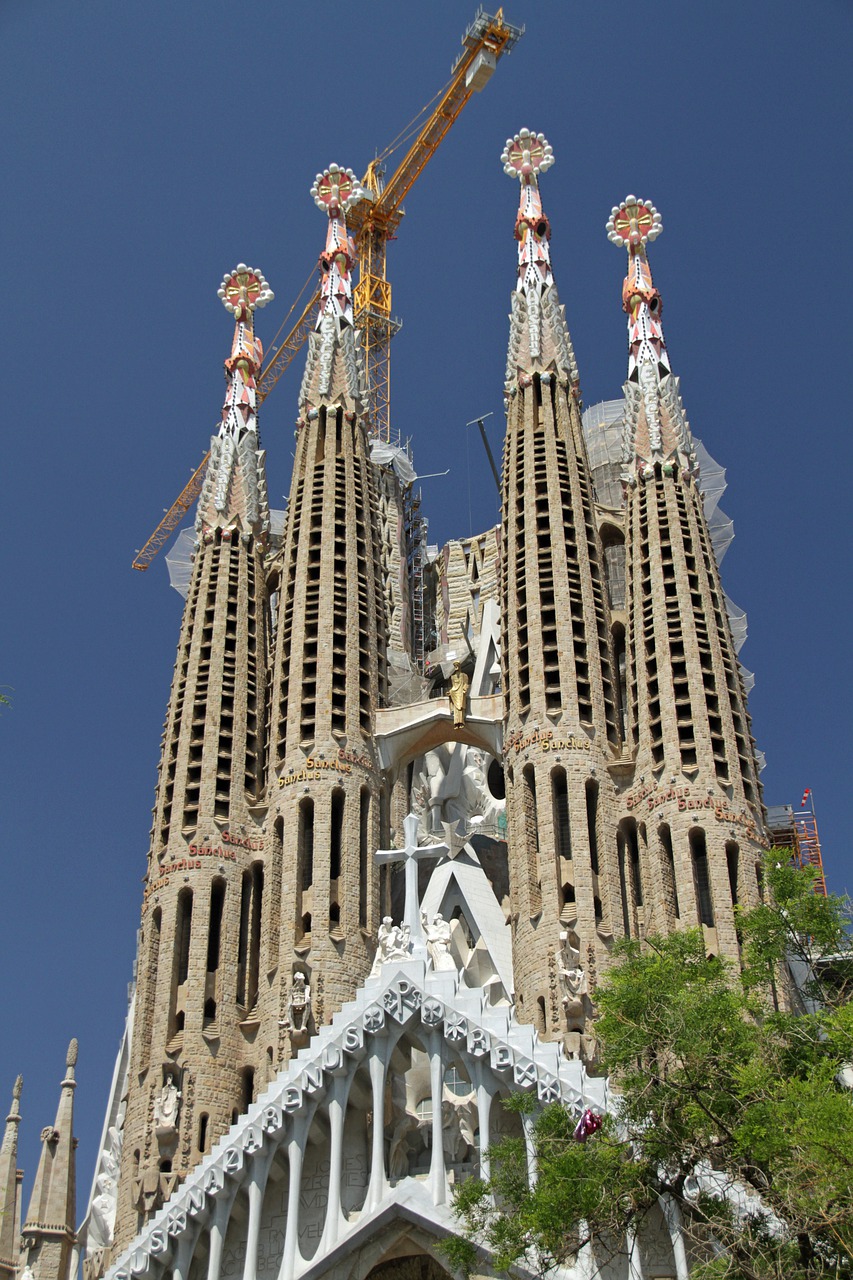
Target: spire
[
  {"x": 539, "y": 338},
  {"x": 234, "y": 493},
  {"x": 48, "y": 1231},
  {"x": 9, "y": 1187},
  {"x": 656, "y": 429},
  {"x": 334, "y": 370}
]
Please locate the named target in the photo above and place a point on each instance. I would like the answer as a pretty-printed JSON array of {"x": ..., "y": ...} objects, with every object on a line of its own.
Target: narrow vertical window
[
  {"x": 623, "y": 885},
  {"x": 668, "y": 870},
  {"x": 699, "y": 856},
  {"x": 305, "y": 866},
  {"x": 733, "y": 864},
  {"x": 531, "y": 838},
  {"x": 214, "y": 946},
  {"x": 592, "y": 823},
  {"x": 253, "y": 976},
  {"x": 364, "y": 859}
]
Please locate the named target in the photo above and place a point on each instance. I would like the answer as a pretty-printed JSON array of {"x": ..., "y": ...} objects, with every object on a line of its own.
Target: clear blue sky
[{"x": 147, "y": 148}]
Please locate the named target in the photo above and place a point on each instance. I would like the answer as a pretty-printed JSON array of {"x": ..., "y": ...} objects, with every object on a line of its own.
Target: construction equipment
[
  {"x": 796, "y": 829},
  {"x": 173, "y": 516},
  {"x": 373, "y": 222}
]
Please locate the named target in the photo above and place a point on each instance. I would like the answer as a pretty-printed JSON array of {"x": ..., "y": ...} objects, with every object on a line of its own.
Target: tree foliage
[{"x": 732, "y": 1106}]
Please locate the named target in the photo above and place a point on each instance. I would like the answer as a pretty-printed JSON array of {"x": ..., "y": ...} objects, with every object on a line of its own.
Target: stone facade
[{"x": 307, "y": 1079}]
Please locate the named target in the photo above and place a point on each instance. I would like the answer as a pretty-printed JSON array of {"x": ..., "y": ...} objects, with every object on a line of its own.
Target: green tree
[{"x": 732, "y": 1108}]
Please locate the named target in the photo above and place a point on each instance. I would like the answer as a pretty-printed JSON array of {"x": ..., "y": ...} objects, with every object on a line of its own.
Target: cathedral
[{"x": 408, "y": 798}]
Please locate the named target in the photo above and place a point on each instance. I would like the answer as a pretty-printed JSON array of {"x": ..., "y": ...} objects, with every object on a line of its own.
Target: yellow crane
[{"x": 373, "y": 222}]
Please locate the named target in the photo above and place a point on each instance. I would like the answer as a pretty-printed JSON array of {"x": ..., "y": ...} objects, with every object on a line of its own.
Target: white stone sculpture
[
  {"x": 300, "y": 1003},
  {"x": 450, "y": 787},
  {"x": 438, "y": 938},
  {"x": 167, "y": 1107},
  {"x": 102, "y": 1215},
  {"x": 394, "y": 943}
]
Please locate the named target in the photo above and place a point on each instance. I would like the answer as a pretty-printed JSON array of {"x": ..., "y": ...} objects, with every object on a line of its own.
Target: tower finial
[
  {"x": 656, "y": 428},
  {"x": 632, "y": 224},
  {"x": 525, "y": 156},
  {"x": 336, "y": 190},
  {"x": 243, "y": 291}
]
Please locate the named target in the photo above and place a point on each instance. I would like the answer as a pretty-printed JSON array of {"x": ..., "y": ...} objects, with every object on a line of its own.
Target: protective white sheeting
[
  {"x": 748, "y": 678},
  {"x": 603, "y": 445},
  {"x": 760, "y": 760},
  {"x": 602, "y": 429},
  {"x": 737, "y": 622},
  {"x": 712, "y": 477},
  {"x": 722, "y": 531},
  {"x": 389, "y": 455},
  {"x": 179, "y": 561}
]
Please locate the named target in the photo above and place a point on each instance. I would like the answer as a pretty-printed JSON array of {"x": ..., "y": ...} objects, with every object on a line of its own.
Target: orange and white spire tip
[
  {"x": 633, "y": 223},
  {"x": 657, "y": 430},
  {"x": 336, "y": 190},
  {"x": 524, "y": 157},
  {"x": 243, "y": 291}
]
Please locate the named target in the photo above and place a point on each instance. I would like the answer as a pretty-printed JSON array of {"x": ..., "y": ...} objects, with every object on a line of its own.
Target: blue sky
[{"x": 150, "y": 147}]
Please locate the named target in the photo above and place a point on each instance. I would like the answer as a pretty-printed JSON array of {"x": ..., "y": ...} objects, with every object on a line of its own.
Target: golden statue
[{"x": 458, "y": 695}]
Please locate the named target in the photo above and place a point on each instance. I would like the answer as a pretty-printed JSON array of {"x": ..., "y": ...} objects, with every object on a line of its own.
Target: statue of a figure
[
  {"x": 438, "y": 937},
  {"x": 457, "y": 1128},
  {"x": 394, "y": 944},
  {"x": 102, "y": 1215},
  {"x": 458, "y": 695},
  {"x": 300, "y": 1003},
  {"x": 573, "y": 979},
  {"x": 402, "y": 1123},
  {"x": 167, "y": 1106}
]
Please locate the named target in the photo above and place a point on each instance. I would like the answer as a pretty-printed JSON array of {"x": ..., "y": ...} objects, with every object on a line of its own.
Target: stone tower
[
  {"x": 561, "y": 728},
  {"x": 48, "y": 1235},
  {"x": 195, "y": 1049},
  {"x": 689, "y": 834},
  {"x": 328, "y": 673},
  {"x": 10, "y": 1208}
]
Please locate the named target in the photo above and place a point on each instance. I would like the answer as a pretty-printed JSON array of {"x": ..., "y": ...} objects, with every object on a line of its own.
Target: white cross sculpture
[{"x": 411, "y": 854}]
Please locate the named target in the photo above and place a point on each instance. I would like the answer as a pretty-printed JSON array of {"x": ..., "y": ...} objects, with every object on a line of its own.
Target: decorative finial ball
[
  {"x": 243, "y": 290},
  {"x": 335, "y": 190},
  {"x": 633, "y": 222},
  {"x": 526, "y": 155},
  {"x": 71, "y": 1056}
]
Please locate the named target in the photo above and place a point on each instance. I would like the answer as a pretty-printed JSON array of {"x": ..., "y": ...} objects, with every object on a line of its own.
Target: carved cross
[{"x": 411, "y": 854}]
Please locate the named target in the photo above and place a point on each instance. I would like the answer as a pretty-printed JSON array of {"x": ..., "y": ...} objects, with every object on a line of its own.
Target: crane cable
[
  {"x": 411, "y": 128},
  {"x": 272, "y": 352}
]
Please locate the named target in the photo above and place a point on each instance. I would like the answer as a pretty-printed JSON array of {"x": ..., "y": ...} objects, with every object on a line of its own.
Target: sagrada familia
[{"x": 381, "y": 891}]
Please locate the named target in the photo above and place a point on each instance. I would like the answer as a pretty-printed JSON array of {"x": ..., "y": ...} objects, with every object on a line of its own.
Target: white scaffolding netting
[
  {"x": 602, "y": 429},
  {"x": 179, "y": 560},
  {"x": 712, "y": 477},
  {"x": 737, "y": 622},
  {"x": 383, "y": 454}
]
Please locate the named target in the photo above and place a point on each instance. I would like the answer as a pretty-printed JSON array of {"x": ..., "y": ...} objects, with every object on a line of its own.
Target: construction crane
[{"x": 373, "y": 222}]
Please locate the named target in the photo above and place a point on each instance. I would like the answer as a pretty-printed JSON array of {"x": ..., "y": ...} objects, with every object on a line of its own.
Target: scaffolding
[
  {"x": 416, "y": 527},
  {"x": 796, "y": 829}
]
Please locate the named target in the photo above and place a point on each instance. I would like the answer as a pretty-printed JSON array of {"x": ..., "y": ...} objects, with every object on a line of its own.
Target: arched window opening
[
  {"x": 364, "y": 859},
  {"x": 701, "y": 879},
  {"x": 668, "y": 869},
  {"x": 201, "y": 1141},
  {"x": 733, "y": 864},
  {"x": 531, "y": 838},
  {"x": 592, "y": 823},
  {"x": 248, "y": 1085},
  {"x": 304, "y": 865}
]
